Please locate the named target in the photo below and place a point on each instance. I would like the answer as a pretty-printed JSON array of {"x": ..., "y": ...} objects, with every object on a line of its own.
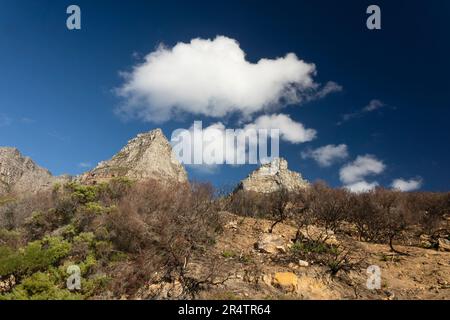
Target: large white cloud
[
  {"x": 325, "y": 156},
  {"x": 359, "y": 169},
  {"x": 407, "y": 185},
  {"x": 213, "y": 78}
]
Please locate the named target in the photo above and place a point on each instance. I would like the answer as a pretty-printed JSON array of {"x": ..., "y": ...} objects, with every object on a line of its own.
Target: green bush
[
  {"x": 311, "y": 247},
  {"x": 40, "y": 286},
  {"x": 10, "y": 238},
  {"x": 37, "y": 255},
  {"x": 81, "y": 193}
]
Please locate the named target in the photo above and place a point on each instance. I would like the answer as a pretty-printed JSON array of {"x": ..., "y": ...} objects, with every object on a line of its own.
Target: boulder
[
  {"x": 7, "y": 284},
  {"x": 443, "y": 244},
  {"x": 271, "y": 243},
  {"x": 303, "y": 263},
  {"x": 287, "y": 281}
]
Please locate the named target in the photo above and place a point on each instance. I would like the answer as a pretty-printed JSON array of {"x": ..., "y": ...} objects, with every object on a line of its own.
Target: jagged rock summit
[
  {"x": 147, "y": 156},
  {"x": 20, "y": 175},
  {"x": 272, "y": 177}
]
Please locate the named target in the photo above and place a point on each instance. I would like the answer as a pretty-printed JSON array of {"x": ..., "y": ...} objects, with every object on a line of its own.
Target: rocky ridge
[
  {"x": 20, "y": 175},
  {"x": 272, "y": 177},
  {"x": 147, "y": 156}
]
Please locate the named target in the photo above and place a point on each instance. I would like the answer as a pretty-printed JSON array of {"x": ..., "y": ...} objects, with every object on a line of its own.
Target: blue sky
[{"x": 57, "y": 97}]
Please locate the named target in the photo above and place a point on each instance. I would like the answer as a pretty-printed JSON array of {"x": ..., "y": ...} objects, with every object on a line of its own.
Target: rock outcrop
[
  {"x": 20, "y": 175},
  {"x": 272, "y": 177},
  {"x": 271, "y": 243},
  {"x": 147, "y": 156}
]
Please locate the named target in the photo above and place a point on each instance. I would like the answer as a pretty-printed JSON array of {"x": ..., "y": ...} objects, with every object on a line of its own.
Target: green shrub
[
  {"x": 228, "y": 254},
  {"x": 311, "y": 247},
  {"x": 37, "y": 255},
  {"x": 10, "y": 238},
  {"x": 81, "y": 193},
  {"x": 40, "y": 286},
  {"x": 116, "y": 189}
]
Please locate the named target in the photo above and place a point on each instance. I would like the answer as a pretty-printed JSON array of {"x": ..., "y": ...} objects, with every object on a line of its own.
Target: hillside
[{"x": 135, "y": 228}]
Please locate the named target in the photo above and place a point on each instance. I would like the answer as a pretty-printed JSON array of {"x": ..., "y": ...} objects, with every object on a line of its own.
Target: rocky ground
[{"x": 244, "y": 271}]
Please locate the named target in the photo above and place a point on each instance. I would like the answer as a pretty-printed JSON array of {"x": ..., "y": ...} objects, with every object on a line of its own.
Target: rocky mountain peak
[
  {"x": 147, "y": 156},
  {"x": 19, "y": 174},
  {"x": 273, "y": 176}
]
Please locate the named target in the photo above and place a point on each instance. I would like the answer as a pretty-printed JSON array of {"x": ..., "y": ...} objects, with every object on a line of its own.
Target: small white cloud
[
  {"x": 373, "y": 105},
  {"x": 407, "y": 185},
  {"x": 362, "y": 167},
  {"x": 325, "y": 156},
  {"x": 290, "y": 130},
  {"x": 213, "y": 78},
  {"x": 85, "y": 165},
  {"x": 361, "y": 186}
]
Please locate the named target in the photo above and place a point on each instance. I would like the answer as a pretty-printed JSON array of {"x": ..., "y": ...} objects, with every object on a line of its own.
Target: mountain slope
[{"x": 147, "y": 156}]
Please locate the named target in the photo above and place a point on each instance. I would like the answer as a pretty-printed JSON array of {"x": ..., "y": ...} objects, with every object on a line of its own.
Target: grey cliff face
[
  {"x": 272, "y": 177},
  {"x": 19, "y": 174},
  {"x": 147, "y": 156}
]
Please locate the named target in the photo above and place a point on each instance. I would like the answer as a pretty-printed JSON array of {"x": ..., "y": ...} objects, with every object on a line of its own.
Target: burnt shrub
[
  {"x": 163, "y": 226},
  {"x": 248, "y": 204},
  {"x": 278, "y": 205},
  {"x": 382, "y": 216},
  {"x": 329, "y": 206},
  {"x": 430, "y": 209},
  {"x": 14, "y": 210}
]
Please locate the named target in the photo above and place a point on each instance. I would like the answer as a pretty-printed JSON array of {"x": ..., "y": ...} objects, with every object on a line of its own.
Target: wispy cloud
[
  {"x": 373, "y": 105},
  {"x": 27, "y": 120},
  {"x": 329, "y": 88},
  {"x": 5, "y": 120},
  {"x": 58, "y": 136},
  {"x": 85, "y": 165}
]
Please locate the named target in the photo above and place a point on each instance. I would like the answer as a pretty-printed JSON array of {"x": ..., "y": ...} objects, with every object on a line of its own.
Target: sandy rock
[
  {"x": 287, "y": 281},
  {"x": 425, "y": 241},
  {"x": 267, "y": 279},
  {"x": 443, "y": 244},
  {"x": 303, "y": 263},
  {"x": 232, "y": 225},
  {"x": 314, "y": 288},
  {"x": 162, "y": 290},
  {"x": 319, "y": 234},
  {"x": 271, "y": 243},
  {"x": 7, "y": 284}
]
